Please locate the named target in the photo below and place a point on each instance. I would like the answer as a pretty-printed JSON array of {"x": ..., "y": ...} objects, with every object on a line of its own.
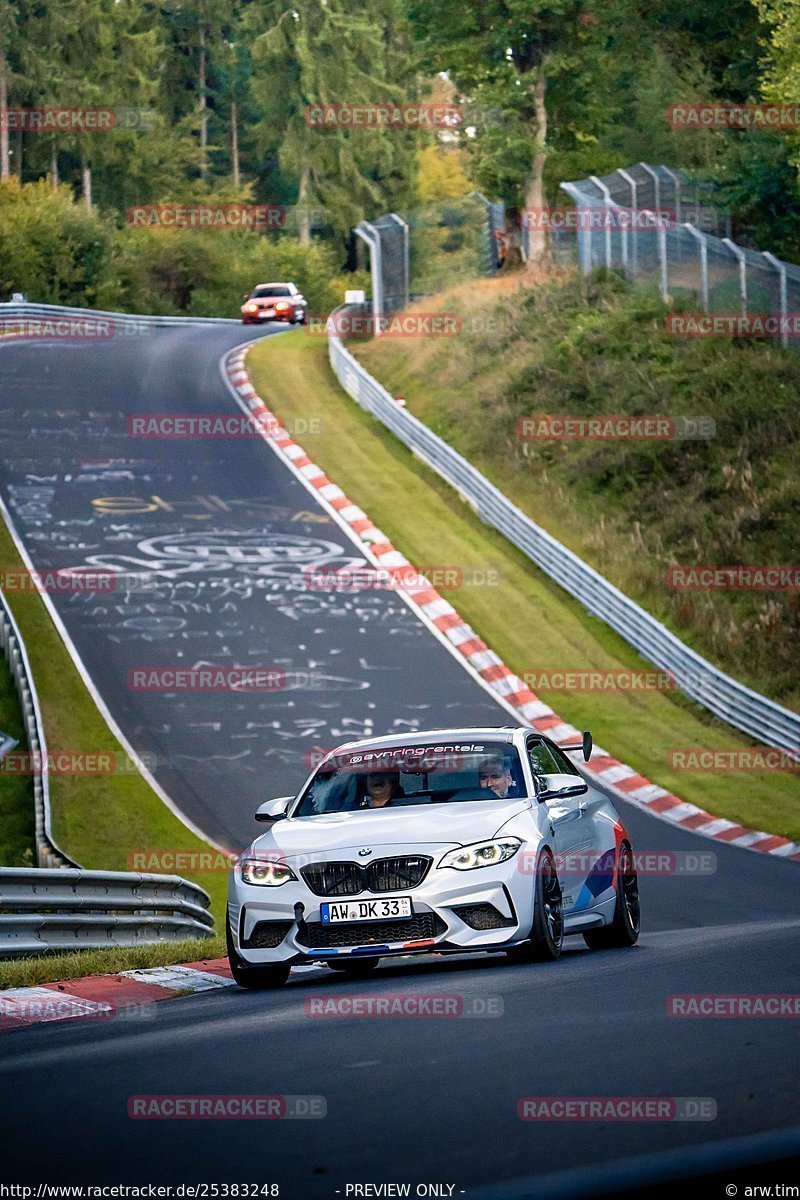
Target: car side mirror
[
  {"x": 586, "y": 744},
  {"x": 273, "y": 810},
  {"x": 560, "y": 787}
]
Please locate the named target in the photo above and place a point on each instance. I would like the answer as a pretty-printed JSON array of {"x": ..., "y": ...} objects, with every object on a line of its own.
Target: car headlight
[
  {"x": 251, "y": 308},
  {"x": 266, "y": 874},
  {"x": 481, "y": 854}
]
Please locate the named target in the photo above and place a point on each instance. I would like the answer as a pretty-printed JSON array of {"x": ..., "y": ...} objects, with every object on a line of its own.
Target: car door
[{"x": 575, "y": 836}]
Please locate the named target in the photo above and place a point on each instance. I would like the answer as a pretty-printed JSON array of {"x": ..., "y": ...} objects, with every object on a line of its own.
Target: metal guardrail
[
  {"x": 63, "y": 909},
  {"x": 123, "y": 323},
  {"x": 47, "y": 852},
  {"x": 725, "y": 697}
]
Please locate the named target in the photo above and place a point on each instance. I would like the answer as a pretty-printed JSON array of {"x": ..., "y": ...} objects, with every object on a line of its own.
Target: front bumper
[
  {"x": 263, "y": 314},
  {"x": 504, "y": 896}
]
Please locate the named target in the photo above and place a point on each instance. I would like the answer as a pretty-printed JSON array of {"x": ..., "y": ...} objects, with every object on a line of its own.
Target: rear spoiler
[{"x": 585, "y": 746}]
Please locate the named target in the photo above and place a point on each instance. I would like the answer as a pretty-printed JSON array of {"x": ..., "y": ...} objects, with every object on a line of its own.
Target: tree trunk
[
  {"x": 54, "y": 162},
  {"x": 4, "y": 156},
  {"x": 304, "y": 231},
  {"x": 538, "y": 245},
  {"x": 86, "y": 182},
  {"x": 235, "y": 142},
  {"x": 203, "y": 106}
]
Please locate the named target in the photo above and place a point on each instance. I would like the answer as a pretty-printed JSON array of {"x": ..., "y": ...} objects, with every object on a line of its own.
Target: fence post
[
  {"x": 406, "y": 283},
  {"x": 631, "y": 182},
  {"x": 598, "y": 183},
  {"x": 780, "y": 267},
  {"x": 677, "y": 181},
  {"x": 662, "y": 262},
  {"x": 703, "y": 240},
  {"x": 740, "y": 257},
  {"x": 656, "y": 181},
  {"x": 584, "y": 236},
  {"x": 370, "y": 235}
]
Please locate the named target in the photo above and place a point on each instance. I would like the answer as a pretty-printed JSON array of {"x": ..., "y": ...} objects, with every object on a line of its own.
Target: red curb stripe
[
  {"x": 448, "y": 621},
  {"x": 495, "y": 672},
  {"x": 550, "y": 722},
  {"x": 428, "y": 596},
  {"x": 696, "y": 820},
  {"x": 475, "y": 646},
  {"x": 772, "y": 843},
  {"x": 738, "y": 831},
  {"x": 631, "y": 782},
  {"x": 112, "y": 989},
  {"x": 215, "y": 966},
  {"x": 664, "y": 803},
  {"x": 603, "y": 762}
]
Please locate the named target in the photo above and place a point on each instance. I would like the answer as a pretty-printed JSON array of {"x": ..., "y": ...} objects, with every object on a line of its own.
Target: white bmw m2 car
[{"x": 450, "y": 841}]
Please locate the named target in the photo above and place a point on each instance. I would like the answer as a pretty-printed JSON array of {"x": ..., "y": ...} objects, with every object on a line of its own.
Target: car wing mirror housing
[
  {"x": 560, "y": 787},
  {"x": 273, "y": 810}
]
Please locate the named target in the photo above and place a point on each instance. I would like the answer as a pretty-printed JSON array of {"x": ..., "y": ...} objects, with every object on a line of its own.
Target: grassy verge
[
  {"x": 527, "y": 619},
  {"x": 47, "y": 968},
  {"x": 17, "y": 846},
  {"x": 99, "y": 820},
  {"x": 598, "y": 347}
]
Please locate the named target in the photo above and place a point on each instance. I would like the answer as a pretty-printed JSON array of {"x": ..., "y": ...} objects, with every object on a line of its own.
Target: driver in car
[
  {"x": 381, "y": 790},
  {"x": 494, "y": 774}
]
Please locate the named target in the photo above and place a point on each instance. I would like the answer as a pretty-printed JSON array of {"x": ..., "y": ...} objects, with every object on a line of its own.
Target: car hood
[{"x": 443, "y": 825}]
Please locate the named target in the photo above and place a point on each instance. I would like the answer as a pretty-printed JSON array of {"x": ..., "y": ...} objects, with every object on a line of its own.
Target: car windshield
[
  {"x": 404, "y": 776},
  {"x": 268, "y": 290}
]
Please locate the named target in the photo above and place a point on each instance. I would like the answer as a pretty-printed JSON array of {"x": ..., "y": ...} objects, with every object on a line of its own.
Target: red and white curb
[
  {"x": 103, "y": 997},
  {"x": 443, "y": 620}
]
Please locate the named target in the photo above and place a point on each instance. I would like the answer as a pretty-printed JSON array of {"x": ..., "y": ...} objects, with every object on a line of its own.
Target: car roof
[
  {"x": 276, "y": 283},
  {"x": 424, "y": 737}
]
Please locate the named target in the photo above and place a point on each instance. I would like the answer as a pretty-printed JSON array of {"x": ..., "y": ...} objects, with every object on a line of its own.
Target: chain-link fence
[
  {"x": 658, "y": 226},
  {"x": 431, "y": 248}
]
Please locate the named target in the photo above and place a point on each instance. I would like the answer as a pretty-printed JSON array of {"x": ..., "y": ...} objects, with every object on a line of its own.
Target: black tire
[
  {"x": 253, "y": 978},
  {"x": 356, "y": 968},
  {"x": 546, "y": 938},
  {"x": 624, "y": 929}
]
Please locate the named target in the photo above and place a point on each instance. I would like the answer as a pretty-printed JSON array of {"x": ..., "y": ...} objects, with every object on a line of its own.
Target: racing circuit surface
[{"x": 220, "y": 530}]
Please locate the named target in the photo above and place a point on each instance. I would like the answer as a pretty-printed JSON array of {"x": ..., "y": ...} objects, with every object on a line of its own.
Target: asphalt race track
[
  {"x": 210, "y": 538},
  {"x": 409, "y": 1100}
]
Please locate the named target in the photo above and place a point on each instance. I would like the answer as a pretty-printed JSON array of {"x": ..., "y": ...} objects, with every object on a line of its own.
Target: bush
[
  {"x": 49, "y": 247},
  {"x": 56, "y": 253}
]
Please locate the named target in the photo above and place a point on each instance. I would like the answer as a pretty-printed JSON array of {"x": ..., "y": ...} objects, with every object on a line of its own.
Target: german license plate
[{"x": 365, "y": 910}]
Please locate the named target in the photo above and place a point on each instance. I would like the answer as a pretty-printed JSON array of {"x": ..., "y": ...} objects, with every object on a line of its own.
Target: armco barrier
[
  {"x": 47, "y": 852},
  {"x": 65, "y": 909},
  {"x": 127, "y": 322},
  {"x": 763, "y": 719}
]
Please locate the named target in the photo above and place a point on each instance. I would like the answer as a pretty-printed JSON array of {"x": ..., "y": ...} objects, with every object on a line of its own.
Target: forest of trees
[{"x": 211, "y": 98}]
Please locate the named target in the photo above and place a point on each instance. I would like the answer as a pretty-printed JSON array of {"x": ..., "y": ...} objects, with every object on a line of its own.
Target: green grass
[
  {"x": 17, "y": 846},
  {"x": 632, "y": 509},
  {"x": 98, "y": 820},
  {"x": 48, "y": 968},
  {"x": 529, "y": 621}
]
